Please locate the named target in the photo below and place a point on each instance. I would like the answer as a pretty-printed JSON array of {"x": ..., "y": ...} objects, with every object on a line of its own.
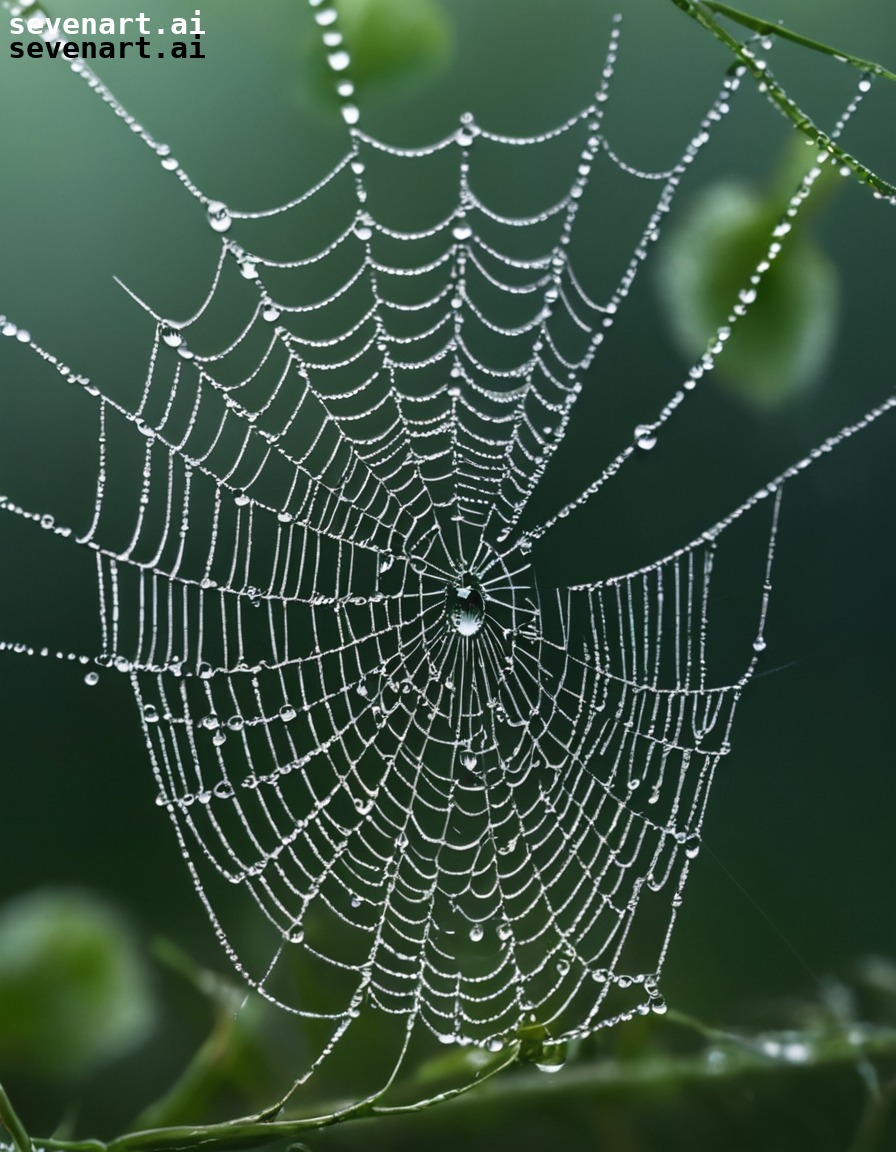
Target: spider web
[{"x": 408, "y": 780}]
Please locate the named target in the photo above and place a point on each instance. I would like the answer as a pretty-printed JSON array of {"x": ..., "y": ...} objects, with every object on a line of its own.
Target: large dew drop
[
  {"x": 218, "y": 216},
  {"x": 466, "y": 607}
]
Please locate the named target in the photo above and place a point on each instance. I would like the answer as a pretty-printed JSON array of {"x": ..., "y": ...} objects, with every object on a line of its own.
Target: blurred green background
[{"x": 799, "y": 882}]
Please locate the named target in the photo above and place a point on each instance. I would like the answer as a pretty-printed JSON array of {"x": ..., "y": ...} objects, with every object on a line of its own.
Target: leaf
[
  {"x": 73, "y": 988},
  {"x": 782, "y": 344},
  {"x": 391, "y": 43}
]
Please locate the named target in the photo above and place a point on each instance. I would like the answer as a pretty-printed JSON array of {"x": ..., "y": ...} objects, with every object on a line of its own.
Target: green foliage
[
  {"x": 669, "y": 1082},
  {"x": 782, "y": 343},
  {"x": 74, "y": 991},
  {"x": 392, "y": 44}
]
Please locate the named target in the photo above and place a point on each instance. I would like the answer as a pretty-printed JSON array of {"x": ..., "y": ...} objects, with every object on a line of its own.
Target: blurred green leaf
[
  {"x": 74, "y": 991},
  {"x": 392, "y": 43},
  {"x": 782, "y": 344}
]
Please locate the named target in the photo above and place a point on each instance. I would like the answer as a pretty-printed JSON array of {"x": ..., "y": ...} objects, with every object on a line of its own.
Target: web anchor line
[{"x": 410, "y": 782}]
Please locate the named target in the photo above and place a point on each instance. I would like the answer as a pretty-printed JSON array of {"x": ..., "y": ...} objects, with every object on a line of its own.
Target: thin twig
[
  {"x": 703, "y": 12},
  {"x": 727, "y": 1057},
  {"x": 768, "y": 28},
  {"x": 13, "y": 1125}
]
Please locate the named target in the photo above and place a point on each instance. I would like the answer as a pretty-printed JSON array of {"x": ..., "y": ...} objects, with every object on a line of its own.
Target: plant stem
[
  {"x": 703, "y": 12},
  {"x": 728, "y": 1057},
  {"x": 767, "y": 28},
  {"x": 13, "y": 1125}
]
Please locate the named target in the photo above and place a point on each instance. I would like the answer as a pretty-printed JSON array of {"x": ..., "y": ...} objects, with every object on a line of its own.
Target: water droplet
[
  {"x": 716, "y": 1059},
  {"x": 270, "y": 313},
  {"x": 204, "y": 671},
  {"x": 350, "y": 114},
  {"x": 476, "y": 933},
  {"x": 150, "y": 714},
  {"x": 209, "y": 722},
  {"x": 551, "y": 1058},
  {"x": 465, "y": 607},
  {"x": 47, "y": 521},
  {"x": 241, "y": 499},
  {"x": 759, "y": 644},
  {"x": 504, "y": 930},
  {"x": 248, "y": 269},
  {"x": 468, "y": 759},
  {"x": 218, "y": 216},
  {"x": 171, "y": 336},
  {"x": 236, "y": 723},
  {"x": 462, "y": 230},
  {"x": 287, "y": 712},
  {"x": 363, "y": 806},
  {"x": 495, "y": 1044},
  {"x": 219, "y": 737},
  {"x": 645, "y": 437},
  {"x": 339, "y": 61},
  {"x": 796, "y": 1051},
  {"x": 91, "y": 679}
]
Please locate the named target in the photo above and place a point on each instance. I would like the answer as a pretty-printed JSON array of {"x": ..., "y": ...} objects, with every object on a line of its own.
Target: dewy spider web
[{"x": 406, "y": 780}]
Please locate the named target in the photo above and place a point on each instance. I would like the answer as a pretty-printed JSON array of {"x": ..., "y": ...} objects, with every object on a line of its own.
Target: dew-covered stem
[{"x": 704, "y": 13}]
